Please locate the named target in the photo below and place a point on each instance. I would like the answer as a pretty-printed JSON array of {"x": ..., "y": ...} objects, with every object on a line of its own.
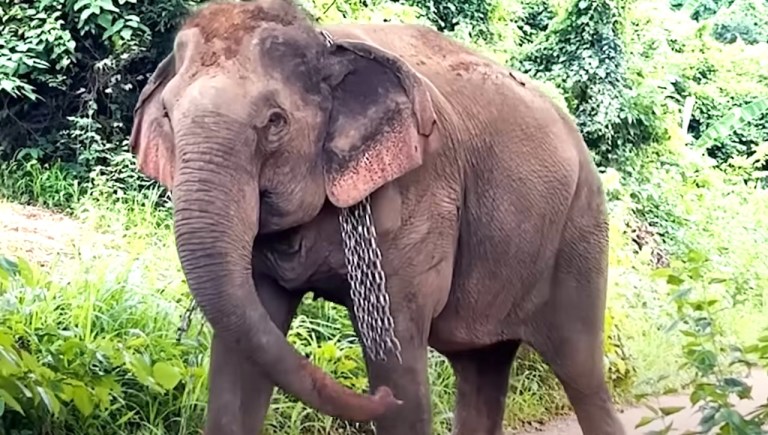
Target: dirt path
[
  {"x": 686, "y": 419},
  {"x": 36, "y": 234}
]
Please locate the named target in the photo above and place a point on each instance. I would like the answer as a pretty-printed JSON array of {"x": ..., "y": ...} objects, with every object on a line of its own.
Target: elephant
[{"x": 441, "y": 197}]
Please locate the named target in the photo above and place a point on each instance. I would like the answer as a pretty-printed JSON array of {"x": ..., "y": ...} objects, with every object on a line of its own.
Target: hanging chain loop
[{"x": 370, "y": 299}]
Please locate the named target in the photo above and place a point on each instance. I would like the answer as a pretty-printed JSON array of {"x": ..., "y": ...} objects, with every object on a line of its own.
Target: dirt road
[{"x": 686, "y": 419}]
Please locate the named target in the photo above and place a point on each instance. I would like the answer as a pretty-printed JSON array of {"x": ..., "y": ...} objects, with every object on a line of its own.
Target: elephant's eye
[
  {"x": 276, "y": 122},
  {"x": 271, "y": 133}
]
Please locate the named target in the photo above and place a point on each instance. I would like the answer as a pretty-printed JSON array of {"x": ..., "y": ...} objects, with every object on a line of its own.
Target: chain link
[
  {"x": 370, "y": 299},
  {"x": 186, "y": 319}
]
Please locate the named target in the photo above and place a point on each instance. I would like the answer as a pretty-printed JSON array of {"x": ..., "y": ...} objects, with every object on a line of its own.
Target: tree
[{"x": 583, "y": 54}]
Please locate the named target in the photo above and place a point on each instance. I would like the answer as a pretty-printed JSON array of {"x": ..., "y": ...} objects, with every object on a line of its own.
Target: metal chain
[
  {"x": 186, "y": 319},
  {"x": 370, "y": 299}
]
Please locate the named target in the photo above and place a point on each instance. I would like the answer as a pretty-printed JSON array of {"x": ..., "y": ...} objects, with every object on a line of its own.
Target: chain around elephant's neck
[{"x": 370, "y": 299}]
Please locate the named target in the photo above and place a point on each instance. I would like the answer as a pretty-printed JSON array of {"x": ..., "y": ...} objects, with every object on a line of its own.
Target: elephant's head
[{"x": 252, "y": 122}]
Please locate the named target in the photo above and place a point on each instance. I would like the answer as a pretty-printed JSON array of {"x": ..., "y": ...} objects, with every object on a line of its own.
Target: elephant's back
[
  {"x": 469, "y": 83},
  {"x": 432, "y": 54}
]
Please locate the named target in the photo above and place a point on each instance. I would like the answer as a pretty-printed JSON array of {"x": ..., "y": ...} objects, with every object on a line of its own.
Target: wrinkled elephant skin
[{"x": 489, "y": 213}]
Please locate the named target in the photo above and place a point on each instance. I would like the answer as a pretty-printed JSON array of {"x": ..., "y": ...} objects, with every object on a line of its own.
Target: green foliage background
[{"x": 88, "y": 345}]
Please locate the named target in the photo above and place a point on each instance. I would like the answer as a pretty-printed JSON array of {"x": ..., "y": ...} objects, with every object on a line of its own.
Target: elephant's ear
[
  {"x": 152, "y": 138},
  {"x": 380, "y": 122}
]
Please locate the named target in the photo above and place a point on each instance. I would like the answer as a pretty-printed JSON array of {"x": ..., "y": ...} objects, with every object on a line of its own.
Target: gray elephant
[{"x": 440, "y": 197}]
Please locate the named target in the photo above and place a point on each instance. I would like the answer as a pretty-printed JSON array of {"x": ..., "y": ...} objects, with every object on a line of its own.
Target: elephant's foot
[{"x": 482, "y": 377}]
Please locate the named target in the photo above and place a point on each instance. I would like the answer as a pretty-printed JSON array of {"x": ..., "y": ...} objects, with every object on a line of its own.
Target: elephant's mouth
[
  {"x": 285, "y": 242},
  {"x": 267, "y": 198}
]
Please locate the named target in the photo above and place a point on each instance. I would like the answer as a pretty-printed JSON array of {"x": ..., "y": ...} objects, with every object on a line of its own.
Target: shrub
[
  {"x": 583, "y": 54},
  {"x": 71, "y": 71},
  {"x": 746, "y": 20},
  {"x": 672, "y": 57},
  {"x": 447, "y": 15},
  {"x": 729, "y": 77},
  {"x": 700, "y": 10}
]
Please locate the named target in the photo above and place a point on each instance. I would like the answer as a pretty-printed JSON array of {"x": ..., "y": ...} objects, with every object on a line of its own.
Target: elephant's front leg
[
  {"x": 239, "y": 393},
  {"x": 409, "y": 381}
]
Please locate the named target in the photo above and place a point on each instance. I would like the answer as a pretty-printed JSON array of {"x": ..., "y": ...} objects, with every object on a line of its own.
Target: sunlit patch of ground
[{"x": 36, "y": 234}]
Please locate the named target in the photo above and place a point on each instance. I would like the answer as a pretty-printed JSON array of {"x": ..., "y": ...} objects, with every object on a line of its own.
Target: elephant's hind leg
[
  {"x": 569, "y": 329},
  {"x": 239, "y": 393},
  {"x": 577, "y": 362},
  {"x": 482, "y": 380}
]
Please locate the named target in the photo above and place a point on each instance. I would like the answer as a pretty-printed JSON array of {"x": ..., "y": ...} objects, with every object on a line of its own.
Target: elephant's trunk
[{"x": 216, "y": 220}]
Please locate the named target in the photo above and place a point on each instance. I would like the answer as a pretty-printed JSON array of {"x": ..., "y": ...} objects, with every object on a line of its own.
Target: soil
[
  {"x": 36, "y": 234},
  {"x": 40, "y": 235}
]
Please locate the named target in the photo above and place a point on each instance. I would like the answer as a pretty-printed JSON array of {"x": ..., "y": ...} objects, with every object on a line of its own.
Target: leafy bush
[
  {"x": 70, "y": 72},
  {"x": 534, "y": 18},
  {"x": 729, "y": 77},
  {"x": 709, "y": 350},
  {"x": 583, "y": 53},
  {"x": 673, "y": 58},
  {"x": 447, "y": 15},
  {"x": 744, "y": 19}
]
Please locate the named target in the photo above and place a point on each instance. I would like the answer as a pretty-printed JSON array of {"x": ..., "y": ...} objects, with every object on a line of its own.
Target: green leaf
[
  {"x": 25, "y": 272},
  {"x": 102, "y": 394},
  {"x": 84, "y": 16},
  {"x": 669, "y": 410},
  {"x": 731, "y": 122},
  {"x": 6, "y": 340},
  {"x": 105, "y": 20},
  {"x": 674, "y": 280},
  {"x": 738, "y": 386},
  {"x": 126, "y": 33},
  {"x": 8, "y": 266},
  {"x": 661, "y": 272},
  {"x": 49, "y": 399},
  {"x": 8, "y": 399},
  {"x": 115, "y": 28},
  {"x": 646, "y": 420},
  {"x": 106, "y": 4},
  {"x": 83, "y": 400},
  {"x": 140, "y": 369},
  {"x": 166, "y": 375},
  {"x": 80, "y": 4}
]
